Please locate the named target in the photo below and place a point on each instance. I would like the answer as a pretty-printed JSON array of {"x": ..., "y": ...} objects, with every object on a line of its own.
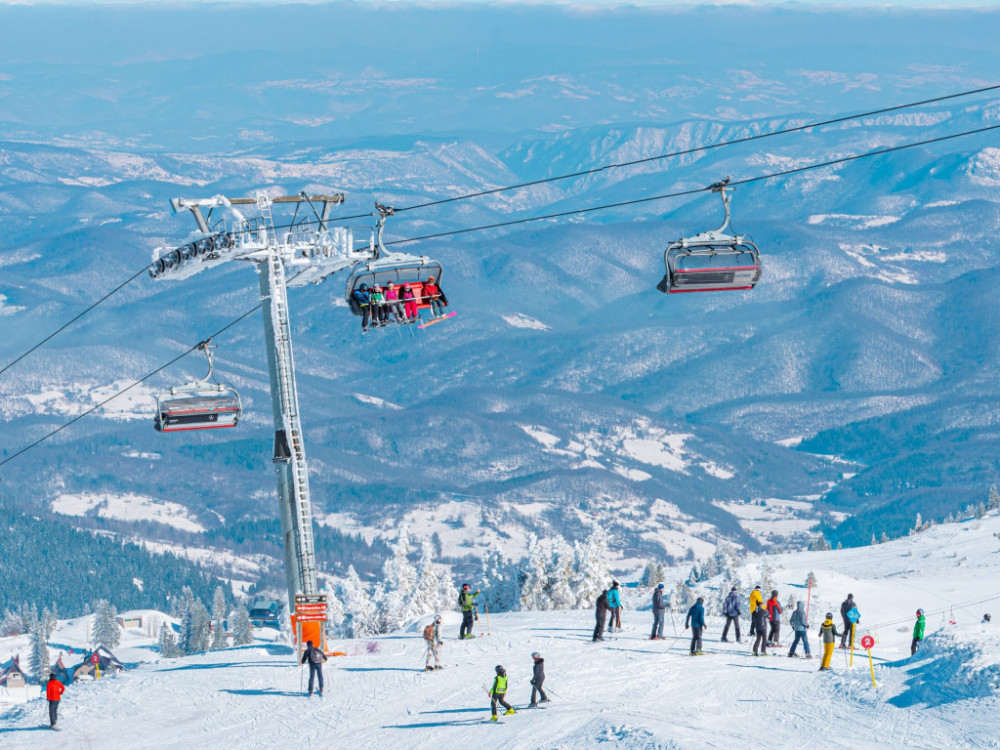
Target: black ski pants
[
  {"x": 732, "y": 620},
  {"x": 496, "y": 698},
  {"x": 846, "y": 635},
  {"x": 366, "y": 316},
  {"x": 914, "y": 645},
  {"x": 537, "y": 687},
  {"x": 759, "y": 644},
  {"x": 775, "y": 635},
  {"x": 53, "y": 712},
  {"x": 753, "y": 626},
  {"x": 599, "y": 628},
  {"x": 695, "y": 639},
  {"x": 466, "y": 628},
  {"x": 315, "y": 671}
]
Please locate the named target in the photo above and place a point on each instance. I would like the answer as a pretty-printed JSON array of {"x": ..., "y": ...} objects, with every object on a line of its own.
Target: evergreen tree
[
  {"x": 11, "y": 624},
  {"x": 884, "y": 538},
  {"x": 592, "y": 574},
  {"x": 40, "y": 664},
  {"x": 820, "y": 544},
  {"x": 840, "y": 545},
  {"x": 682, "y": 598},
  {"x": 651, "y": 575},
  {"x": 219, "y": 616},
  {"x": 185, "y": 613},
  {"x": 168, "y": 642},
  {"x": 359, "y": 609},
  {"x": 874, "y": 541},
  {"x": 559, "y": 586},
  {"x": 767, "y": 580},
  {"x": 500, "y": 591},
  {"x": 811, "y": 580},
  {"x": 201, "y": 627},
  {"x": 398, "y": 584},
  {"x": 242, "y": 627},
  {"x": 426, "y": 596},
  {"x": 105, "y": 630},
  {"x": 536, "y": 577},
  {"x": 993, "y": 502},
  {"x": 334, "y": 611}
]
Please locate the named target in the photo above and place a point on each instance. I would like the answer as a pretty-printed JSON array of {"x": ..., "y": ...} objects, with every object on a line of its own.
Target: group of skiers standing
[{"x": 608, "y": 604}]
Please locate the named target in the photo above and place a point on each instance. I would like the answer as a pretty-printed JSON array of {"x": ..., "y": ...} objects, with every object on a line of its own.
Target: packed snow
[{"x": 127, "y": 507}]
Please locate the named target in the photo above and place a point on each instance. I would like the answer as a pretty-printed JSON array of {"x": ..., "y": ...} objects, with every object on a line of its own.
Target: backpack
[
  {"x": 315, "y": 656},
  {"x": 429, "y": 632}
]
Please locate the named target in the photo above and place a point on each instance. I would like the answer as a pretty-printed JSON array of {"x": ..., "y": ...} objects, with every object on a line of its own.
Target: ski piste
[{"x": 432, "y": 321}]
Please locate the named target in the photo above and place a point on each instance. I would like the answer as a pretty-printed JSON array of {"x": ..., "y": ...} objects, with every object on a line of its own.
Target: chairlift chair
[
  {"x": 712, "y": 261},
  {"x": 385, "y": 266},
  {"x": 198, "y": 405}
]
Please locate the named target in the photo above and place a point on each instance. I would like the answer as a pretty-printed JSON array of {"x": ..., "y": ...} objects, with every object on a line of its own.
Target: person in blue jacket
[
  {"x": 363, "y": 298},
  {"x": 696, "y": 619},
  {"x": 614, "y": 608}
]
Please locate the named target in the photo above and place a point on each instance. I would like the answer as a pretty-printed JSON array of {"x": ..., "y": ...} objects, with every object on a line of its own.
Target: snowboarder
[
  {"x": 497, "y": 693},
  {"x": 756, "y": 600},
  {"x": 847, "y": 605},
  {"x": 537, "y": 678},
  {"x": 758, "y": 626},
  {"x": 774, "y": 617},
  {"x": 918, "y": 632},
  {"x": 601, "y": 611},
  {"x": 731, "y": 609},
  {"x": 828, "y": 633},
  {"x": 53, "y": 692},
  {"x": 432, "y": 639},
  {"x": 696, "y": 619},
  {"x": 315, "y": 658},
  {"x": 466, "y": 603},
  {"x": 614, "y": 608},
  {"x": 801, "y": 630},
  {"x": 659, "y": 607}
]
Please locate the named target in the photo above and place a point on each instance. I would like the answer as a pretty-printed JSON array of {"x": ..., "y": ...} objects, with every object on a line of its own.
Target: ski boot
[
  {"x": 493, "y": 717},
  {"x": 509, "y": 712}
]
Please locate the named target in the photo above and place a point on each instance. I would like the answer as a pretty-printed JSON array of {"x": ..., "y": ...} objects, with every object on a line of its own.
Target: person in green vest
[
  {"x": 466, "y": 603},
  {"x": 498, "y": 693},
  {"x": 918, "y": 632}
]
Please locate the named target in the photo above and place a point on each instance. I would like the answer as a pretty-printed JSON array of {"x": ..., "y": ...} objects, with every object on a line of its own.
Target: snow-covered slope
[{"x": 627, "y": 692}]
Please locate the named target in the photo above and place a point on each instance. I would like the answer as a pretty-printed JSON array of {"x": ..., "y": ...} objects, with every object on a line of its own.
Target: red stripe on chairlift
[
  {"x": 205, "y": 427},
  {"x": 712, "y": 289},
  {"x": 712, "y": 269}
]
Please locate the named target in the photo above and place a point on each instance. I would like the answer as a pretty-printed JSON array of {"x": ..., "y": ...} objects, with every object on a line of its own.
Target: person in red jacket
[
  {"x": 436, "y": 298},
  {"x": 53, "y": 692},
  {"x": 774, "y": 616}
]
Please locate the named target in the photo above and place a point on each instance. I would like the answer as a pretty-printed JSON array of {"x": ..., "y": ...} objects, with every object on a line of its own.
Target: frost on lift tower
[
  {"x": 306, "y": 251},
  {"x": 711, "y": 261}
]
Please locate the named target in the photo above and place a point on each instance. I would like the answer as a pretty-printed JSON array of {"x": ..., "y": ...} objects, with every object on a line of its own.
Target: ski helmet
[
  {"x": 500, "y": 670},
  {"x": 536, "y": 655},
  {"x": 986, "y": 618},
  {"x": 774, "y": 592},
  {"x": 829, "y": 615},
  {"x": 920, "y": 612},
  {"x": 437, "y": 619}
]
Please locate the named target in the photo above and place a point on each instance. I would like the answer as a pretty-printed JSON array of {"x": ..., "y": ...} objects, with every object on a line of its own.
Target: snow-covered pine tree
[
  {"x": 201, "y": 628},
  {"x": 767, "y": 580},
  {"x": 682, "y": 598},
  {"x": 105, "y": 630},
  {"x": 498, "y": 582},
  {"x": 592, "y": 574},
  {"x": 790, "y": 606},
  {"x": 242, "y": 627},
  {"x": 993, "y": 502},
  {"x": 535, "y": 577},
  {"x": 820, "y": 544},
  {"x": 874, "y": 540},
  {"x": 185, "y": 611},
  {"x": 447, "y": 591},
  {"x": 884, "y": 538},
  {"x": 11, "y": 624},
  {"x": 398, "y": 583},
  {"x": 168, "y": 642},
  {"x": 334, "y": 611},
  {"x": 219, "y": 617},
  {"x": 811, "y": 579},
  {"x": 559, "y": 586},
  {"x": 359, "y": 609},
  {"x": 694, "y": 577},
  {"x": 40, "y": 664},
  {"x": 840, "y": 545},
  {"x": 651, "y": 575},
  {"x": 426, "y": 596}
]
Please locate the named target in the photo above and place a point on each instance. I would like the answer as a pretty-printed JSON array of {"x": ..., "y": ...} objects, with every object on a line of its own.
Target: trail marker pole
[
  {"x": 809, "y": 596},
  {"x": 479, "y": 621},
  {"x": 867, "y": 642},
  {"x": 853, "y": 616},
  {"x": 487, "y": 608}
]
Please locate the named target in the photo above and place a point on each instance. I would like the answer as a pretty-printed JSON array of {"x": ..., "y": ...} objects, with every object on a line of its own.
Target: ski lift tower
[{"x": 305, "y": 251}]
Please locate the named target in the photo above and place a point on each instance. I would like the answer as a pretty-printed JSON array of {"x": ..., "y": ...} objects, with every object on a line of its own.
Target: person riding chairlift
[
  {"x": 434, "y": 294},
  {"x": 409, "y": 302},
  {"x": 363, "y": 297}
]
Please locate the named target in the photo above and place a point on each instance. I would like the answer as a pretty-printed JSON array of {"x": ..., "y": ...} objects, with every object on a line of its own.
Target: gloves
[{"x": 476, "y": 618}]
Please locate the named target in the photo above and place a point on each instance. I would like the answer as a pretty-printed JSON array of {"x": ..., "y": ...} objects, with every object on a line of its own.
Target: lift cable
[
  {"x": 694, "y": 191},
  {"x": 141, "y": 380}
]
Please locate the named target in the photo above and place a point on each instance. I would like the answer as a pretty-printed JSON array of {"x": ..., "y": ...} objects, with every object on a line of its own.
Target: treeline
[{"x": 48, "y": 563}]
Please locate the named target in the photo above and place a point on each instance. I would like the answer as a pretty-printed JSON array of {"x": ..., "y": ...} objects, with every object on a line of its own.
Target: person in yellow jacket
[
  {"x": 828, "y": 634},
  {"x": 756, "y": 600},
  {"x": 498, "y": 693}
]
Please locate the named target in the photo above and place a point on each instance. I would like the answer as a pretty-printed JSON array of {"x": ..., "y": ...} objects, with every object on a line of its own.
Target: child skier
[
  {"x": 432, "y": 639},
  {"x": 828, "y": 633},
  {"x": 498, "y": 692},
  {"x": 537, "y": 678}
]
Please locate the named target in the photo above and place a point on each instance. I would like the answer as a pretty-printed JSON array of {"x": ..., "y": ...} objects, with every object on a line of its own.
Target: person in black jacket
[
  {"x": 602, "y": 614},
  {"x": 537, "y": 678},
  {"x": 315, "y": 658},
  {"x": 760, "y": 629},
  {"x": 847, "y": 605}
]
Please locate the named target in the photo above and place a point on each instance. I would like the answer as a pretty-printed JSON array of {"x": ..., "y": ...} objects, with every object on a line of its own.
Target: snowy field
[{"x": 627, "y": 692}]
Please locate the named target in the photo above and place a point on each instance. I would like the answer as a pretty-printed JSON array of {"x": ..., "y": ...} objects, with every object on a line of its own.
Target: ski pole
[
  {"x": 479, "y": 621},
  {"x": 487, "y": 608}
]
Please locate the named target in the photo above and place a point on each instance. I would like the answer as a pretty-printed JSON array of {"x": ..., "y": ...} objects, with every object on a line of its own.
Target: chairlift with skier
[
  {"x": 198, "y": 405},
  {"x": 712, "y": 261}
]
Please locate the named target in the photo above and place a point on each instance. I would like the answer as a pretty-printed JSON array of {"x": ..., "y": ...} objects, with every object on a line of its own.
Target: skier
[
  {"x": 696, "y": 618},
  {"x": 363, "y": 298},
  {"x": 847, "y": 605},
  {"x": 659, "y": 607},
  {"x": 409, "y": 303},
  {"x": 53, "y": 692},
  {"x": 918, "y": 632},
  {"x": 774, "y": 617},
  {"x": 758, "y": 626},
  {"x": 601, "y": 611},
  {"x": 537, "y": 678},
  {"x": 434, "y": 295},
  {"x": 432, "y": 639},
  {"x": 756, "y": 600},
  {"x": 614, "y": 608},
  {"x": 498, "y": 692},
  {"x": 393, "y": 303},
  {"x": 466, "y": 603},
  {"x": 315, "y": 658},
  {"x": 801, "y": 629},
  {"x": 828, "y": 633},
  {"x": 731, "y": 609}
]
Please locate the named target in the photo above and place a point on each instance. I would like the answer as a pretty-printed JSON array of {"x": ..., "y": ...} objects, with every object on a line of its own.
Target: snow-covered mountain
[{"x": 855, "y": 386}]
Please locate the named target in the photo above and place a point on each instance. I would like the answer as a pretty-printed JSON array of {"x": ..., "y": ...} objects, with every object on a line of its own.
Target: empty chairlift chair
[
  {"x": 198, "y": 405},
  {"x": 712, "y": 261}
]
